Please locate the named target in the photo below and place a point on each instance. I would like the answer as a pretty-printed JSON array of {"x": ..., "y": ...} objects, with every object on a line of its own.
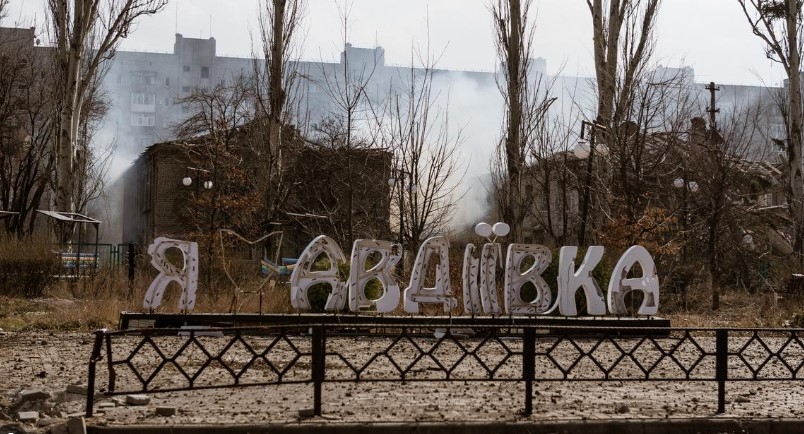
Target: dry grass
[{"x": 96, "y": 301}]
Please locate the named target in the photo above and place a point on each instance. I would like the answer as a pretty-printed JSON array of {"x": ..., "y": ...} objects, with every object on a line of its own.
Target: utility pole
[
  {"x": 712, "y": 109},
  {"x": 712, "y": 143}
]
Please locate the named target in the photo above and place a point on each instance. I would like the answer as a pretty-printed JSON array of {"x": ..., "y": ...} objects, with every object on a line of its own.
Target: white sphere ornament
[
  {"x": 582, "y": 149},
  {"x": 187, "y": 181},
  {"x": 501, "y": 229},
  {"x": 208, "y": 185},
  {"x": 483, "y": 229},
  {"x": 693, "y": 186},
  {"x": 678, "y": 183}
]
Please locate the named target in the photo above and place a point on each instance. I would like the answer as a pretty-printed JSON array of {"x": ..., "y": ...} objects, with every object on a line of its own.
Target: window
[
  {"x": 167, "y": 81},
  {"x": 138, "y": 98},
  {"x": 146, "y": 77},
  {"x": 143, "y": 119},
  {"x": 145, "y": 141},
  {"x": 185, "y": 108},
  {"x": 205, "y": 72},
  {"x": 186, "y": 68},
  {"x": 185, "y": 89},
  {"x": 777, "y": 131},
  {"x": 167, "y": 100}
]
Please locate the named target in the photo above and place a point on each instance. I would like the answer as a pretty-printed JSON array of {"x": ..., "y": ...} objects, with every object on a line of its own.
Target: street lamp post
[
  {"x": 687, "y": 186},
  {"x": 188, "y": 181},
  {"x": 586, "y": 149}
]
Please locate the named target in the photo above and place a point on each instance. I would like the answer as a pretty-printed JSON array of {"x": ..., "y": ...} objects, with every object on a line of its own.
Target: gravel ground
[{"x": 49, "y": 362}]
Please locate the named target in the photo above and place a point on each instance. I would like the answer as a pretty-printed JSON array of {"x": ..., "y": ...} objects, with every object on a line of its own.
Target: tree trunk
[
  {"x": 795, "y": 143},
  {"x": 513, "y": 135}
]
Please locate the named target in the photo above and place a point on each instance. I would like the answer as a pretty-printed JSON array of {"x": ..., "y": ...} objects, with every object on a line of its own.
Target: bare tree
[
  {"x": 26, "y": 127},
  {"x": 352, "y": 111},
  {"x": 85, "y": 34},
  {"x": 623, "y": 43},
  {"x": 274, "y": 91},
  {"x": 779, "y": 25},
  {"x": 217, "y": 138},
  {"x": 527, "y": 99},
  {"x": 426, "y": 170}
]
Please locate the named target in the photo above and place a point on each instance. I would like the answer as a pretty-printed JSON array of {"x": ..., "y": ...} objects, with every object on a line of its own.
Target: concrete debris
[
  {"x": 165, "y": 411},
  {"x": 12, "y": 429},
  {"x": 48, "y": 421},
  {"x": 76, "y": 425},
  {"x": 33, "y": 395},
  {"x": 138, "y": 399},
  {"x": 28, "y": 416},
  {"x": 78, "y": 389}
]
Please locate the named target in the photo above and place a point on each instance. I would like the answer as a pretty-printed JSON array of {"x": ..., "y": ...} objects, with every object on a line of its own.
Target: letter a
[{"x": 648, "y": 283}]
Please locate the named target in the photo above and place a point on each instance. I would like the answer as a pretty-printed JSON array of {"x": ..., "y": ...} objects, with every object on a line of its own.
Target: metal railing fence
[{"x": 165, "y": 360}]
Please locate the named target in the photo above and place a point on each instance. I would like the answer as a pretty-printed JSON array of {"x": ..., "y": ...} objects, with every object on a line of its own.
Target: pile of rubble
[{"x": 43, "y": 411}]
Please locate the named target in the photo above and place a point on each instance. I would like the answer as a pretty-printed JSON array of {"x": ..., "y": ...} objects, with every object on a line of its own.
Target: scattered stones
[
  {"x": 107, "y": 404},
  {"x": 12, "y": 429},
  {"x": 76, "y": 425},
  {"x": 78, "y": 389},
  {"x": 165, "y": 411},
  {"x": 741, "y": 399},
  {"x": 622, "y": 409},
  {"x": 47, "y": 421},
  {"x": 33, "y": 395},
  {"x": 138, "y": 399},
  {"x": 306, "y": 413},
  {"x": 28, "y": 416}
]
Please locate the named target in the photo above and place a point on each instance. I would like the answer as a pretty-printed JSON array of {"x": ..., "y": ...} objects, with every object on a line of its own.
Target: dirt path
[{"x": 50, "y": 363}]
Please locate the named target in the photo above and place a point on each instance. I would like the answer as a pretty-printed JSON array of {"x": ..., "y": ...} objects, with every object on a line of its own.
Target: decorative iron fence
[{"x": 165, "y": 360}]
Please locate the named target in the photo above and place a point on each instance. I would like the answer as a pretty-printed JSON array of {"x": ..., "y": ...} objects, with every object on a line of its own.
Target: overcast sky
[{"x": 709, "y": 35}]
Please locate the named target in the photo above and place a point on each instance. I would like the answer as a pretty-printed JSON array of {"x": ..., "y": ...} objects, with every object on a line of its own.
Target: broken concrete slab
[
  {"x": 32, "y": 395},
  {"x": 28, "y": 416},
  {"x": 165, "y": 411},
  {"x": 76, "y": 425},
  {"x": 78, "y": 389},
  {"x": 138, "y": 399}
]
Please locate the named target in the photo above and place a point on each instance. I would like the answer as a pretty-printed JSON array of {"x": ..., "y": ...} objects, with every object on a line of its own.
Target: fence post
[
  {"x": 131, "y": 266},
  {"x": 93, "y": 360},
  {"x": 319, "y": 359},
  {"x": 528, "y": 366},
  {"x": 721, "y": 367}
]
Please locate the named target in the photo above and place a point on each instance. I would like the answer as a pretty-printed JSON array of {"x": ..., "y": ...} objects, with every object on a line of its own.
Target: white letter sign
[
  {"x": 186, "y": 277},
  {"x": 416, "y": 293},
  {"x": 303, "y": 277},
  {"x": 382, "y": 271},
  {"x": 514, "y": 280},
  {"x": 570, "y": 279},
  {"x": 648, "y": 283}
]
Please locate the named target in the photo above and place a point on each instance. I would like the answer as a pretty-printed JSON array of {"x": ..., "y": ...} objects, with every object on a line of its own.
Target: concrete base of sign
[{"x": 575, "y": 325}]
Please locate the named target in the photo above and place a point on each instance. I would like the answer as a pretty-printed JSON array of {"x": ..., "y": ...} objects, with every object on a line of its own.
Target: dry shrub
[{"x": 26, "y": 267}]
